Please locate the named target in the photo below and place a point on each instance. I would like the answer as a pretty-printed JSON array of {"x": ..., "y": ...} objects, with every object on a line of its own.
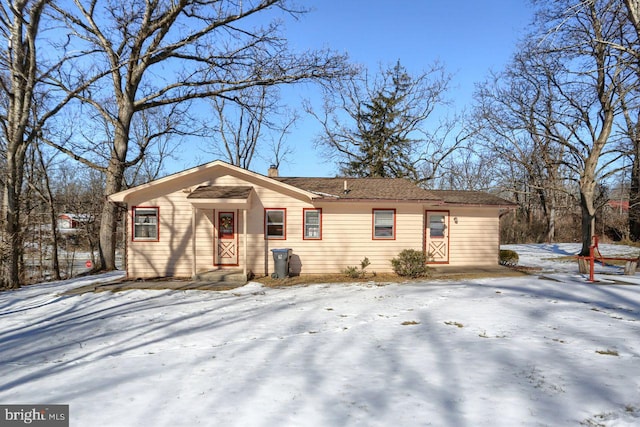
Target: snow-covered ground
[{"x": 526, "y": 351}]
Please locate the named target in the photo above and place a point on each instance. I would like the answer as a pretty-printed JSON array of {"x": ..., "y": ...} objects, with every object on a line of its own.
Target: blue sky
[{"x": 470, "y": 37}]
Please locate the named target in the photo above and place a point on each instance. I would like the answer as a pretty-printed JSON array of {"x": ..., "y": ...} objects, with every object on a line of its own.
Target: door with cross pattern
[
  {"x": 437, "y": 236},
  {"x": 227, "y": 239}
]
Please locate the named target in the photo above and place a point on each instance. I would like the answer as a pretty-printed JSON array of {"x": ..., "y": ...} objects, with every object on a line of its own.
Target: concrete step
[{"x": 221, "y": 276}]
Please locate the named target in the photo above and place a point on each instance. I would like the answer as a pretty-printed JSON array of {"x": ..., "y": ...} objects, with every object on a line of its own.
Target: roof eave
[
  {"x": 480, "y": 205},
  {"x": 372, "y": 200},
  {"x": 122, "y": 196}
]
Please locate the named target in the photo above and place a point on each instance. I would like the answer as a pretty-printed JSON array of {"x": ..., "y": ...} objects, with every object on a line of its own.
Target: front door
[
  {"x": 437, "y": 237},
  {"x": 227, "y": 241}
]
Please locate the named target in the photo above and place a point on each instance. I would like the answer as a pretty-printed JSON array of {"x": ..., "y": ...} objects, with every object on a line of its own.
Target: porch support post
[
  {"x": 246, "y": 245},
  {"x": 193, "y": 241}
]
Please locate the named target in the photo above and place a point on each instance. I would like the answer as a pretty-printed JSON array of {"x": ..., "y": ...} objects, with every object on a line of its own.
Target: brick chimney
[{"x": 272, "y": 172}]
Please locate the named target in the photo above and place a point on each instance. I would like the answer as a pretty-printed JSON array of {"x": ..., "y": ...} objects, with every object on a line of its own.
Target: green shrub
[
  {"x": 410, "y": 263},
  {"x": 355, "y": 272},
  {"x": 508, "y": 257}
]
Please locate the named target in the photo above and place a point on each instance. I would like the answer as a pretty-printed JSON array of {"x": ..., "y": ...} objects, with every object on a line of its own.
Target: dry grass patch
[
  {"x": 382, "y": 279},
  {"x": 614, "y": 262},
  {"x": 452, "y": 323},
  {"x": 608, "y": 352}
]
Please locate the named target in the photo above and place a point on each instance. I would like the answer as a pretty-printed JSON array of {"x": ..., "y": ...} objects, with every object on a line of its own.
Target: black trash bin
[{"x": 281, "y": 262}]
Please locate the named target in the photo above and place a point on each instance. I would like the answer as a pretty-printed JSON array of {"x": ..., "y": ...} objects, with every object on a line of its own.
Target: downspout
[
  {"x": 246, "y": 245},
  {"x": 125, "y": 242},
  {"x": 193, "y": 241}
]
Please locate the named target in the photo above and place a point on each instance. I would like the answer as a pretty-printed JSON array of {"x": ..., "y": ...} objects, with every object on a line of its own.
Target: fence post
[{"x": 591, "y": 262}]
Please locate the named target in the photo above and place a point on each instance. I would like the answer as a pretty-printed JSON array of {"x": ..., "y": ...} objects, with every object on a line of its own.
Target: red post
[{"x": 591, "y": 263}]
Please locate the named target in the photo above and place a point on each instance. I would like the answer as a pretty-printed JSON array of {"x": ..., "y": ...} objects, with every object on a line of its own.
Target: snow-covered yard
[{"x": 495, "y": 352}]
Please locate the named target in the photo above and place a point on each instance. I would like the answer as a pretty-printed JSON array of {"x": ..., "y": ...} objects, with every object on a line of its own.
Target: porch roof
[{"x": 209, "y": 196}]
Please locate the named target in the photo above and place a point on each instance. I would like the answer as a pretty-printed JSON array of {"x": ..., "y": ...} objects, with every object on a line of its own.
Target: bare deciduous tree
[
  {"x": 164, "y": 52},
  {"x": 30, "y": 96},
  {"x": 631, "y": 112},
  {"x": 578, "y": 37},
  {"x": 522, "y": 121},
  {"x": 254, "y": 121}
]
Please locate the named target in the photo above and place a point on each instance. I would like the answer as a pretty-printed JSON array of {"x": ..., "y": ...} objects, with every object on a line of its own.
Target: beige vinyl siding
[
  {"x": 347, "y": 231},
  {"x": 171, "y": 254},
  {"x": 260, "y": 257},
  {"x": 474, "y": 240},
  {"x": 204, "y": 240},
  {"x": 347, "y": 238}
]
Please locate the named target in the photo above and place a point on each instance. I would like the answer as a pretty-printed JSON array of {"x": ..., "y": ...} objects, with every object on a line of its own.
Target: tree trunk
[
  {"x": 55, "y": 260},
  {"x": 109, "y": 216},
  {"x": 634, "y": 190},
  {"x": 21, "y": 28},
  {"x": 588, "y": 216},
  {"x": 115, "y": 183},
  {"x": 13, "y": 231},
  {"x": 551, "y": 223}
]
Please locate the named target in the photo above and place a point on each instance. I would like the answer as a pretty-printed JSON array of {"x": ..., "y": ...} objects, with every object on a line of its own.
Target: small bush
[
  {"x": 508, "y": 257},
  {"x": 352, "y": 272},
  {"x": 355, "y": 272},
  {"x": 410, "y": 263}
]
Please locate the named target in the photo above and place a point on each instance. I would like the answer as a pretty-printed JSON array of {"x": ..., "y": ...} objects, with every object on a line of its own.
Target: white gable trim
[{"x": 122, "y": 196}]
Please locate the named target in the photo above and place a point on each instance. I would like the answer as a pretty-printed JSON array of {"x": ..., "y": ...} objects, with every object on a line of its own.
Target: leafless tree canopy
[
  {"x": 556, "y": 111},
  {"x": 120, "y": 77},
  {"x": 155, "y": 54}
]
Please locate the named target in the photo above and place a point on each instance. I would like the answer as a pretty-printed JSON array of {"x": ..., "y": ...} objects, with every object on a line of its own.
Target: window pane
[
  {"x": 145, "y": 231},
  {"x": 312, "y": 231},
  {"x": 384, "y": 218},
  {"x": 436, "y": 226},
  {"x": 275, "y": 230},
  {"x": 312, "y": 217},
  {"x": 225, "y": 223},
  {"x": 274, "y": 217},
  {"x": 384, "y": 231}
]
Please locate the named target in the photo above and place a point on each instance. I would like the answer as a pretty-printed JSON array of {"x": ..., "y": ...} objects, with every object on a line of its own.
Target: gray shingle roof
[
  {"x": 359, "y": 189},
  {"x": 362, "y": 188},
  {"x": 471, "y": 198},
  {"x": 220, "y": 192}
]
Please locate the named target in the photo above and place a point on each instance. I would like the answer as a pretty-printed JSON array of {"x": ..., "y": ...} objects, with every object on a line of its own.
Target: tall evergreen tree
[
  {"x": 385, "y": 148},
  {"x": 378, "y": 129}
]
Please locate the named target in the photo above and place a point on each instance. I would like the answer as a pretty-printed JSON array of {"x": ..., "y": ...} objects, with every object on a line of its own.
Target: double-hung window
[
  {"x": 145, "y": 223},
  {"x": 384, "y": 224},
  {"x": 275, "y": 223},
  {"x": 312, "y": 224}
]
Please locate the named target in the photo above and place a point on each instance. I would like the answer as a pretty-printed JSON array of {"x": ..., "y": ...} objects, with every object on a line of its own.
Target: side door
[
  {"x": 227, "y": 239},
  {"x": 437, "y": 237}
]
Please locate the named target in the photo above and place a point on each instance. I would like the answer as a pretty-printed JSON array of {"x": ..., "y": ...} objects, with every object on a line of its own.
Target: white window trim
[{"x": 150, "y": 225}]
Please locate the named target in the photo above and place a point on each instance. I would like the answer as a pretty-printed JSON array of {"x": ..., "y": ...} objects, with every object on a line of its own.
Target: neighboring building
[
  {"x": 621, "y": 206},
  {"x": 70, "y": 223},
  {"x": 219, "y": 216}
]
